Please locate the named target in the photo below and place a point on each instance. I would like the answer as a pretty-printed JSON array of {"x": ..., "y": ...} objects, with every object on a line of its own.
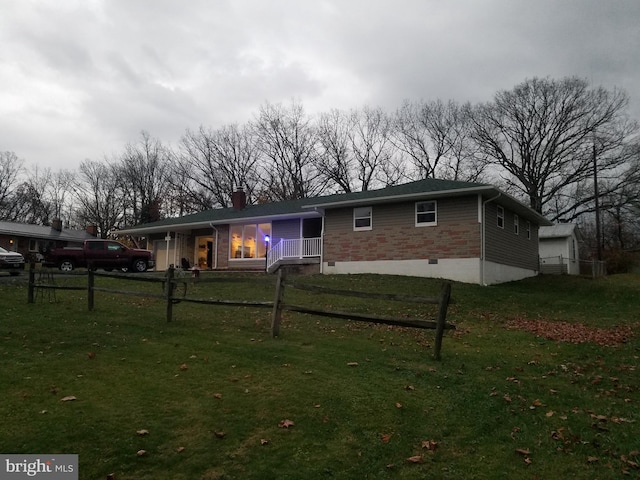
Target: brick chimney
[
  {"x": 56, "y": 224},
  {"x": 239, "y": 199},
  {"x": 92, "y": 230}
]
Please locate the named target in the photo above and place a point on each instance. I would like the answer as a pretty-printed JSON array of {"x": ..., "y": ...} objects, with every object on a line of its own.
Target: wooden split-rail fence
[{"x": 174, "y": 290}]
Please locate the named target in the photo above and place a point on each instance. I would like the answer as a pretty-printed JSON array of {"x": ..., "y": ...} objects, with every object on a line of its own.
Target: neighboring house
[
  {"x": 32, "y": 240},
  {"x": 462, "y": 231},
  {"x": 559, "y": 250}
]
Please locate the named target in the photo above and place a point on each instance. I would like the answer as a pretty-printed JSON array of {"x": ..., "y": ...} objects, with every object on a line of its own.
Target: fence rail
[{"x": 174, "y": 290}]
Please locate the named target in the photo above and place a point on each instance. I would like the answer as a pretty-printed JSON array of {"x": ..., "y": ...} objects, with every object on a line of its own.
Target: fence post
[
  {"x": 169, "y": 293},
  {"x": 277, "y": 304},
  {"x": 32, "y": 282},
  {"x": 445, "y": 295},
  {"x": 90, "y": 292}
]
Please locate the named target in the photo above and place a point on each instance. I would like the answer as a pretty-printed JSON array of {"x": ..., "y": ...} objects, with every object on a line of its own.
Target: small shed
[{"x": 559, "y": 252}]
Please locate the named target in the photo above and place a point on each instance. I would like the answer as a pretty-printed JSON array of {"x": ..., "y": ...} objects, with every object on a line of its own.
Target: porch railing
[{"x": 293, "y": 248}]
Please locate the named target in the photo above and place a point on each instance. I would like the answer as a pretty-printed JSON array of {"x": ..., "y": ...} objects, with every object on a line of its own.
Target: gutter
[{"x": 215, "y": 256}]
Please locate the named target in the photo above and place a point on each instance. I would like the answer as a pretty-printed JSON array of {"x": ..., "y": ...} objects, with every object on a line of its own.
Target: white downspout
[
  {"x": 483, "y": 241},
  {"x": 215, "y": 251},
  {"x": 168, "y": 240}
]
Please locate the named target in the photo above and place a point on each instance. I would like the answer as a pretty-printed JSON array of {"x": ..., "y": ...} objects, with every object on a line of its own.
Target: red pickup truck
[{"x": 106, "y": 254}]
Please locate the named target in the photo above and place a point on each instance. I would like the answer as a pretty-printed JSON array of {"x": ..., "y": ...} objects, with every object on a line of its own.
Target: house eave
[
  {"x": 172, "y": 227},
  {"x": 517, "y": 206}
]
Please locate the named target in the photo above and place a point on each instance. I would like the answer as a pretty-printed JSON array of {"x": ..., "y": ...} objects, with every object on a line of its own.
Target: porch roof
[{"x": 258, "y": 213}]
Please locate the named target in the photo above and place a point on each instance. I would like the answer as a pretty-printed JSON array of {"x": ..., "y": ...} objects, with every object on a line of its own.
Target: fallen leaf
[
  {"x": 180, "y": 449},
  {"x": 385, "y": 437},
  {"x": 217, "y": 395},
  {"x": 352, "y": 364},
  {"x": 550, "y": 413},
  {"x": 523, "y": 451},
  {"x": 409, "y": 387},
  {"x": 592, "y": 459},
  {"x": 507, "y": 398},
  {"x": 142, "y": 432},
  {"x": 430, "y": 445},
  {"x": 91, "y": 355},
  {"x": 286, "y": 423},
  {"x": 415, "y": 459},
  {"x": 264, "y": 441},
  {"x": 70, "y": 398},
  {"x": 220, "y": 434},
  {"x": 184, "y": 367},
  {"x": 528, "y": 461},
  {"x": 141, "y": 453},
  {"x": 398, "y": 405}
]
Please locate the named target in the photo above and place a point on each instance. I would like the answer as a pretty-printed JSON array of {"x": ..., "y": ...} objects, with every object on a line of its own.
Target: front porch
[{"x": 296, "y": 251}]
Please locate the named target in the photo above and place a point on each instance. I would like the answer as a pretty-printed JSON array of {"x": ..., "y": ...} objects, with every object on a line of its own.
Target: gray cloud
[{"x": 81, "y": 78}]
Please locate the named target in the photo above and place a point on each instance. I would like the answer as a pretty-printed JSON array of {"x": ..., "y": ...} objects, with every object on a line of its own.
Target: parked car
[
  {"x": 12, "y": 261},
  {"x": 106, "y": 254}
]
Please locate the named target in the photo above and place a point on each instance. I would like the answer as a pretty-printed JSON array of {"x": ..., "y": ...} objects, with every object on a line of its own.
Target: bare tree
[
  {"x": 540, "y": 136},
  {"x": 288, "y": 144},
  {"x": 435, "y": 137},
  {"x": 99, "y": 195},
  {"x": 11, "y": 168},
  {"x": 335, "y": 161},
  {"x": 374, "y": 162},
  {"x": 216, "y": 162},
  {"x": 144, "y": 170}
]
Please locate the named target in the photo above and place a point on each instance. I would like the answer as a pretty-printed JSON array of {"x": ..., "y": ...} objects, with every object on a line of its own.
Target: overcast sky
[{"x": 79, "y": 79}]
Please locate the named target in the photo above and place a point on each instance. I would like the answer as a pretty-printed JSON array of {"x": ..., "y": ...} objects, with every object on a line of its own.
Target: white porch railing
[{"x": 294, "y": 248}]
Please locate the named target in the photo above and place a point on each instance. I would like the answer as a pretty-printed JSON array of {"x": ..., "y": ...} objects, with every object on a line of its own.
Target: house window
[
  {"x": 500, "y": 217},
  {"x": 249, "y": 241},
  {"x": 426, "y": 213},
  {"x": 516, "y": 224},
  {"x": 362, "y": 218},
  {"x": 528, "y": 230}
]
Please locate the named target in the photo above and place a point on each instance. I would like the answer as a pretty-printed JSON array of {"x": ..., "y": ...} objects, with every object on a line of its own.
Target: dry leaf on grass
[
  {"x": 352, "y": 364},
  {"x": 286, "y": 423},
  {"x": 430, "y": 445},
  {"x": 70, "y": 398},
  {"x": 385, "y": 437},
  {"x": 141, "y": 453},
  {"x": 143, "y": 432},
  {"x": 415, "y": 459}
]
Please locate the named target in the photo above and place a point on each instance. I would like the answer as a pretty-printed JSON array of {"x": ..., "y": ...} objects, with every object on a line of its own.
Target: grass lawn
[{"x": 539, "y": 381}]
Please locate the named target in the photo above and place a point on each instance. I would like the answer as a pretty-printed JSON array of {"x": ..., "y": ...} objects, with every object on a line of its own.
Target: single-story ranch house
[
  {"x": 461, "y": 231},
  {"x": 32, "y": 240}
]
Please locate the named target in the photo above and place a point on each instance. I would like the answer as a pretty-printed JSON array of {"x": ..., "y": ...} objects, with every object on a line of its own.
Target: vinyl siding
[
  {"x": 503, "y": 246},
  {"x": 394, "y": 235}
]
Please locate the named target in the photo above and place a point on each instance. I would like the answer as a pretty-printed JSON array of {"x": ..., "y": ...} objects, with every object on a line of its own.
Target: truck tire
[
  {"x": 66, "y": 265},
  {"x": 139, "y": 265}
]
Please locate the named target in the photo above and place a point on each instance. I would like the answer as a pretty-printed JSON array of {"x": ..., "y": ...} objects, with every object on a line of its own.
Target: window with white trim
[
  {"x": 516, "y": 224},
  {"x": 500, "y": 216},
  {"x": 249, "y": 241},
  {"x": 362, "y": 218},
  {"x": 426, "y": 213}
]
